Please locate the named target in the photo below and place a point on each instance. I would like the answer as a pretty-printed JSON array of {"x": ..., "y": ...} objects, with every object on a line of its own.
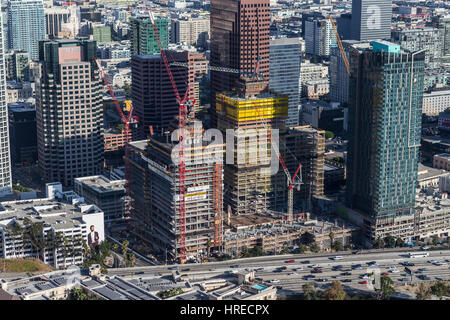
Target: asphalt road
[{"x": 292, "y": 279}]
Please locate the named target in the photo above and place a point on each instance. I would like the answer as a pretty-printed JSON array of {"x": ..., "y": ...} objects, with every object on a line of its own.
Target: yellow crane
[{"x": 341, "y": 47}]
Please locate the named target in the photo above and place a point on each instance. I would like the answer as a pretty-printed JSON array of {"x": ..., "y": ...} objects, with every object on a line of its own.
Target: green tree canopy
[
  {"x": 334, "y": 292},
  {"x": 329, "y": 135}
]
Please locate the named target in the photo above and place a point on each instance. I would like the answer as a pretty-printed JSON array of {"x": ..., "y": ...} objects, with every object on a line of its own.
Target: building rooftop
[
  {"x": 101, "y": 184},
  {"x": 54, "y": 212}
]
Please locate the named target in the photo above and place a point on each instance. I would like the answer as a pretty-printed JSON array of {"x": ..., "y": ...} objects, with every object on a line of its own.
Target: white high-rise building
[
  {"x": 5, "y": 161},
  {"x": 285, "y": 60}
]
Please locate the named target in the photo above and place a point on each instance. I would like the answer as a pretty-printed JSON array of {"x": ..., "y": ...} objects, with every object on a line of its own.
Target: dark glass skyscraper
[
  {"x": 371, "y": 19},
  {"x": 385, "y": 110},
  {"x": 239, "y": 36}
]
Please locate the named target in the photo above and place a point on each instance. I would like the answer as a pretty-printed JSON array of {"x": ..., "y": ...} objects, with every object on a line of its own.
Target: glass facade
[
  {"x": 384, "y": 129},
  {"x": 143, "y": 39},
  {"x": 26, "y": 25},
  {"x": 285, "y": 60}
]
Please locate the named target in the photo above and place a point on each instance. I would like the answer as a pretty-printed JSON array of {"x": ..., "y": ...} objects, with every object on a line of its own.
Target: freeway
[{"x": 291, "y": 279}]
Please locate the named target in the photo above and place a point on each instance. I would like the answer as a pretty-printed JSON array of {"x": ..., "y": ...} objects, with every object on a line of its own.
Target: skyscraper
[
  {"x": 143, "y": 39},
  {"x": 239, "y": 38},
  {"x": 285, "y": 60},
  {"x": 386, "y": 87},
  {"x": 319, "y": 37},
  {"x": 69, "y": 111},
  {"x": 26, "y": 25},
  {"x": 5, "y": 162},
  {"x": 371, "y": 19},
  {"x": 154, "y": 101}
]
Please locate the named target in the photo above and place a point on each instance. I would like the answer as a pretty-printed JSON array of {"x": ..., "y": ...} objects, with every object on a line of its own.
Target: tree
[
  {"x": 334, "y": 292},
  {"x": 329, "y": 135},
  {"x": 399, "y": 243},
  {"x": 36, "y": 237},
  {"x": 131, "y": 260},
  {"x": 423, "y": 292},
  {"x": 331, "y": 236},
  {"x": 378, "y": 243},
  {"x": 307, "y": 238},
  {"x": 126, "y": 88},
  {"x": 302, "y": 248},
  {"x": 125, "y": 248},
  {"x": 386, "y": 287},
  {"x": 208, "y": 247},
  {"x": 439, "y": 289},
  {"x": 315, "y": 247},
  {"x": 309, "y": 291},
  {"x": 337, "y": 245},
  {"x": 435, "y": 239},
  {"x": 389, "y": 241},
  {"x": 285, "y": 250}
]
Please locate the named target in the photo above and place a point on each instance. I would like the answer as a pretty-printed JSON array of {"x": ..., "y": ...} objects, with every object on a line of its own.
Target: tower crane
[
  {"x": 184, "y": 103},
  {"x": 130, "y": 119},
  {"x": 341, "y": 47},
  {"x": 225, "y": 69},
  {"x": 292, "y": 181}
]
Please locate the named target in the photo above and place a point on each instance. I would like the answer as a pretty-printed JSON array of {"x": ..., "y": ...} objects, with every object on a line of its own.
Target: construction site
[
  {"x": 179, "y": 191},
  {"x": 250, "y": 188},
  {"x": 155, "y": 207},
  {"x": 272, "y": 234}
]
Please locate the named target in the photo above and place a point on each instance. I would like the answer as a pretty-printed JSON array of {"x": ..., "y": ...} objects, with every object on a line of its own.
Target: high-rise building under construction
[
  {"x": 252, "y": 180},
  {"x": 239, "y": 40},
  {"x": 155, "y": 198}
]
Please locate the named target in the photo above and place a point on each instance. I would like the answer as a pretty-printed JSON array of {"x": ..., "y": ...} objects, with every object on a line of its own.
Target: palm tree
[
  {"x": 58, "y": 242},
  {"x": 36, "y": 238},
  {"x": 65, "y": 249},
  {"x": 331, "y": 236}
]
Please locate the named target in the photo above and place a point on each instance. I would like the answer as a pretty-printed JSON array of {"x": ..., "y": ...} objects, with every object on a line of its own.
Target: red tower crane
[
  {"x": 184, "y": 103},
  {"x": 126, "y": 120}
]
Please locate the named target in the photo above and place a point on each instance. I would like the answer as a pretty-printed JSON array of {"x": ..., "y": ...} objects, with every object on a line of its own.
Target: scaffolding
[
  {"x": 250, "y": 187},
  {"x": 308, "y": 146}
]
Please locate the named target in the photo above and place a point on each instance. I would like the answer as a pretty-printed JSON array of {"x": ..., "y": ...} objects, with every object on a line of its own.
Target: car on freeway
[
  {"x": 337, "y": 277},
  {"x": 346, "y": 273},
  {"x": 234, "y": 266},
  {"x": 439, "y": 279},
  {"x": 407, "y": 264},
  {"x": 363, "y": 282},
  {"x": 403, "y": 279},
  {"x": 432, "y": 261},
  {"x": 305, "y": 262},
  {"x": 290, "y": 261},
  {"x": 259, "y": 269},
  {"x": 364, "y": 276},
  {"x": 346, "y": 280},
  {"x": 371, "y": 263},
  {"x": 385, "y": 274},
  {"x": 424, "y": 248},
  {"x": 282, "y": 268},
  {"x": 423, "y": 269},
  {"x": 338, "y": 258},
  {"x": 309, "y": 277},
  {"x": 315, "y": 266},
  {"x": 293, "y": 274},
  {"x": 423, "y": 277},
  {"x": 440, "y": 264},
  {"x": 356, "y": 252},
  {"x": 394, "y": 270},
  {"x": 357, "y": 267},
  {"x": 300, "y": 268},
  {"x": 316, "y": 270},
  {"x": 322, "y": 280},
  {"x": 275, "y": 281},
  {"x": 185, "y": 269}
]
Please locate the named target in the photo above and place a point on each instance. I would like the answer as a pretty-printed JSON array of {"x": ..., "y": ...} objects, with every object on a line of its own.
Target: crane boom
[
  {"x": 182, "y": 114},
  {"x": 341, "y": 47}
]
